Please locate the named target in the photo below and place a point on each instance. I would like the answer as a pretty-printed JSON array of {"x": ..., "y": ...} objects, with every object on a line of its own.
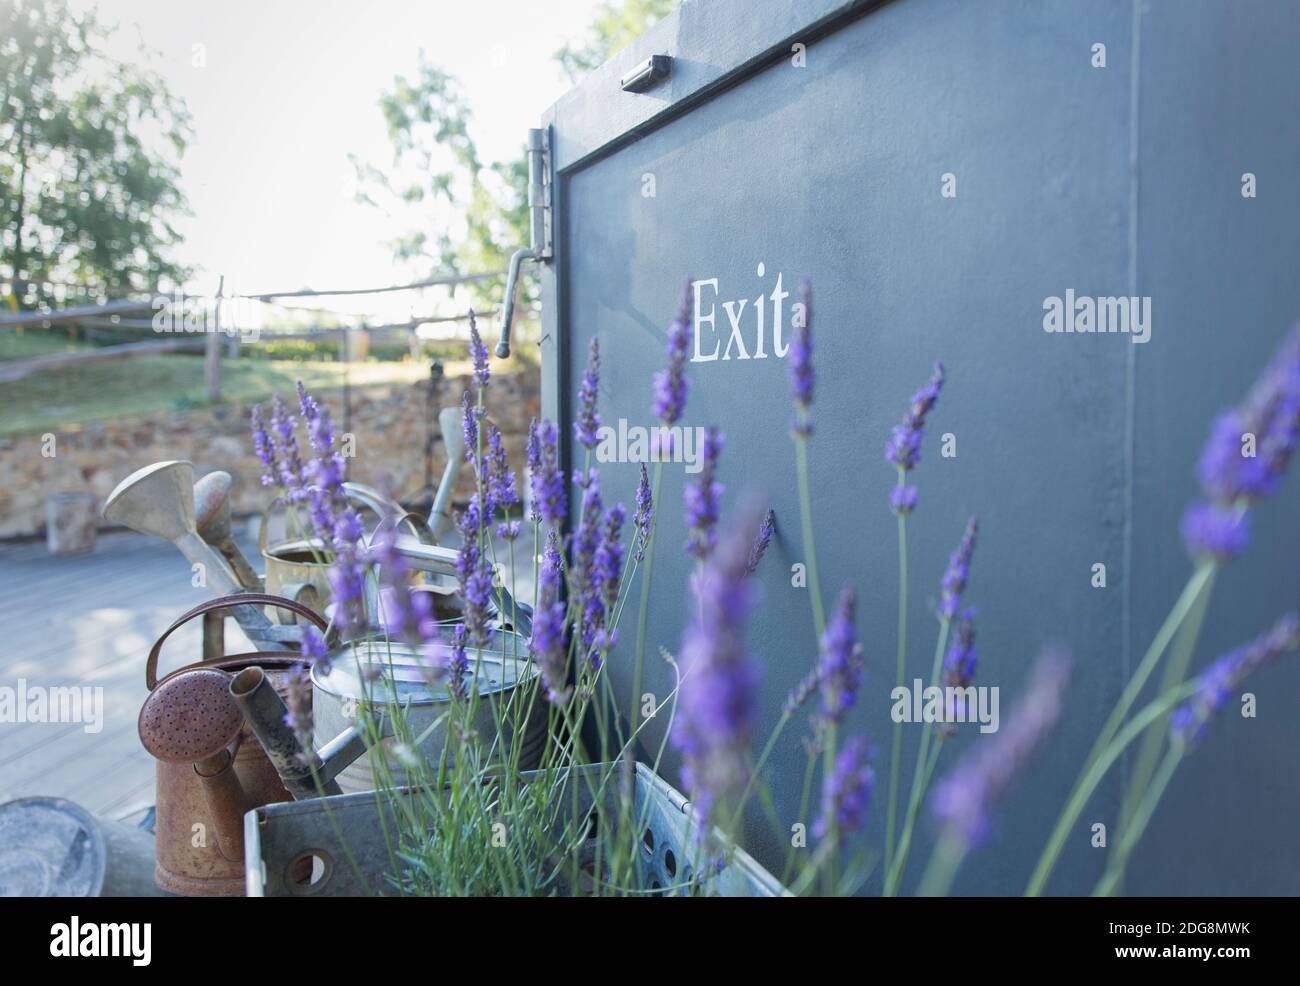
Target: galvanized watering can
[
  {"x": 389, "y": 679},
  {"x": 210, "y": 768}
]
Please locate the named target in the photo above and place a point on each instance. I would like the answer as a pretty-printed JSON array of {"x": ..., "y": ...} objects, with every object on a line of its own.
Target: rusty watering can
[{"x": 210, "y": 768}]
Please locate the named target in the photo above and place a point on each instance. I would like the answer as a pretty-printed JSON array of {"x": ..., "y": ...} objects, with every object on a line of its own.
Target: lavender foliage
[
  {"x": 587, "y": 426},
  {"x": 965, "y": 800},
  {"x": 958, "y": 572},
  {"x": 703, "y": 498},
  {"x": 669, "y": 401},
  {"x": 1224, "y": 678},
  {"x": 846, "y": 792},
  {"x": 719, "y": 689}
]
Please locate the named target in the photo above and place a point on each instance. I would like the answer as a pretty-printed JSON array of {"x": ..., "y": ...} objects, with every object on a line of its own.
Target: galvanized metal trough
[{"x": 279, "y": 841}]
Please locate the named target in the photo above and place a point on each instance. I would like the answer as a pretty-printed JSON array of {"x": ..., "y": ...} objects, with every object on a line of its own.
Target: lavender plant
[{"x": 470, "y": 817}]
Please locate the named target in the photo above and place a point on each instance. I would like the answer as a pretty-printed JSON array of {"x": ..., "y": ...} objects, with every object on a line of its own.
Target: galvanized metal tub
[
  {"x": 389, "y": 676},
  {"x": 280, "y": 840}
]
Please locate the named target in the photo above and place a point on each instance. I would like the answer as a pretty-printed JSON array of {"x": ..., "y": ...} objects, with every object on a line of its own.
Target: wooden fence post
[{"x": 212, "y": 350}]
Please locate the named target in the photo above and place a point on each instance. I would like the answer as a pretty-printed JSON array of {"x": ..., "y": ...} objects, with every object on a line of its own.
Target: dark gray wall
[{"x": 1071, "y": 449}]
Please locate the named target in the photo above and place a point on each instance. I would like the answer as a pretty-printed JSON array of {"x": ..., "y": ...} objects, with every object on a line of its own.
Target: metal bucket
[
  {"x": 50, "y": 847},
  {"x": 391, "y": 676},
  {"x": 294, "y": 571}
]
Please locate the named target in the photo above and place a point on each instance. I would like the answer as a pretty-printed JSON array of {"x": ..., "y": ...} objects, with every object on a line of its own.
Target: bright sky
[{"x": 289, "y": 89}]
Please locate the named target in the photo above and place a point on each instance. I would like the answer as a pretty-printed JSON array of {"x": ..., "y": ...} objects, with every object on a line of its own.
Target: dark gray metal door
[{"x": 1073, "y": 449}]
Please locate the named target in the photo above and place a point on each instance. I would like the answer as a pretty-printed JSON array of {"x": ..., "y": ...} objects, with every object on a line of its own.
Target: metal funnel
[{"x": 212, "y": 520}]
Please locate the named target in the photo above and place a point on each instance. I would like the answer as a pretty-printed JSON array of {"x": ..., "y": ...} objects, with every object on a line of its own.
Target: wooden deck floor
[{"x": 89, "y": 621}]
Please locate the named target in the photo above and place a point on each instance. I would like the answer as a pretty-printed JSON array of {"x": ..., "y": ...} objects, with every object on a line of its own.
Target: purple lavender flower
[
  {"x": 1214, "y": 531},
  {"x": 702, "y": 498},
  {"x": 478, "y": 353},
  {"x": 306, "y": 403},
  {"x": 457, "y": 665},
  {"x": 474, "y": 572},
  {"x": 963, "y": 802},
  {"x": 602, "y": 594},
  {"x": 670, "y": 383},
  {"x": 904, "y": 446},
  {"x": 1224, "y": 678},
  {"x": 903, "y": 500},
  {"x": 469, "y": 424},
  {"x": 586, "y": 429},
  {"x": 719, "y": 687},
  {"x": 839, "y": 666},
  {"x": 548, "y": 491},
  {"x": 1250, "y": 447},
  {"x": 548, "y": 644},
  {"x": 959, "y": 665},
  {"x": 955, "y": 578},
  {"x": 761, "y": 540},
  {"x": 586, "y": 540},
  {"x": 406, "y": 615},
  {"x": 802, "y": 375},
  {"x": 264, "y": 448},
  {"x": 312, "y": 646},
  {"x": 292, "y": 472},
  {"x": 645, "y": 511},
  {"x": 846, "y": 793},
  {"x": 499, "y": 489}
]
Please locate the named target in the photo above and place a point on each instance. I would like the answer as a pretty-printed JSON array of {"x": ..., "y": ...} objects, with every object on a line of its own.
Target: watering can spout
[{"x": 305, "y": 772}]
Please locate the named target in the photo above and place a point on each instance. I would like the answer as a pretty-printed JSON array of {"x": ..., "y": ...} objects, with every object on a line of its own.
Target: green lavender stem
[{"x": 1056, "y": 841}]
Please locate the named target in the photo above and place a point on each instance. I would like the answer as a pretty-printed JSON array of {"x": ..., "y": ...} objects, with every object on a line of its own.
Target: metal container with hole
[
  {"x": 390, "y": 676},
  {"x": 343, "y": 840}
]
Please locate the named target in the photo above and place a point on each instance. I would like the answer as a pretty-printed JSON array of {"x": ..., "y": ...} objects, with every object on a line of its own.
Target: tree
[
  {"x": 88, "y": 169},
  {"x": 615, "y": 26},
  {"x": 480, "y": 209}
]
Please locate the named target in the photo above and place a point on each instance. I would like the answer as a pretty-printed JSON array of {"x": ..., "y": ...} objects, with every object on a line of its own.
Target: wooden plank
[{"x": 17, "y": 369}]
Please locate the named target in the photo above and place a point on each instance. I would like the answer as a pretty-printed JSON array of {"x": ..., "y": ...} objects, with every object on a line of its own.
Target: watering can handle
[{"x": 225, "y": 602}]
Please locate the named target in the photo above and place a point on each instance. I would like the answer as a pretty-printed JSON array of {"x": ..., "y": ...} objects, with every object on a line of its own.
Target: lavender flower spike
[
  {"x": 548, "y": 645},
  {"x": 904, "y": 446},
  {"x": 959, "y": 665},
  {"x": 469, "y": 424},
  {"x": 964, "y": 801},
  {"x": 645, "y": 512},
  {"x": 1250, "y": 447},
  {"x": 670, "y": 383},
  {"x": 264, "y": 448},
  {"x": 846, "y": 793},
  {"x": 761, "y": 540},
  {"x": 955, "y": 578},
  {"x": 478, "y": 353},
  {"x": 1215, "y": 531},
  {"x": 547, "y": 483},
  {"x": 802, "y": 375},
  {"x": 1224, "y": 678},
  {"x": 719, "y": 690},
  {"x": 839, "y": 666},
  {"x": 702, "y": 498},
  {"x": 587, "y": 428}
]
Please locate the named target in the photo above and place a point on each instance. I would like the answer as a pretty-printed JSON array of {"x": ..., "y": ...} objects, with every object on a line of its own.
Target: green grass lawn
[{"x": 48, "y": 401}]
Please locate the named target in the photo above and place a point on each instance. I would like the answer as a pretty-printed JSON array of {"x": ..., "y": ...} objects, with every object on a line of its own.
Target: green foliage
[
  {"x": 480, "y": 208},
  {"x": 86, "y": 200},
  {"x": 616, "y": 25}
]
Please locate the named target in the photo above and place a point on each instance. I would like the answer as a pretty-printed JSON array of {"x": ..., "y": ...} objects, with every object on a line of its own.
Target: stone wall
[{"x": 390, "y": 424}]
